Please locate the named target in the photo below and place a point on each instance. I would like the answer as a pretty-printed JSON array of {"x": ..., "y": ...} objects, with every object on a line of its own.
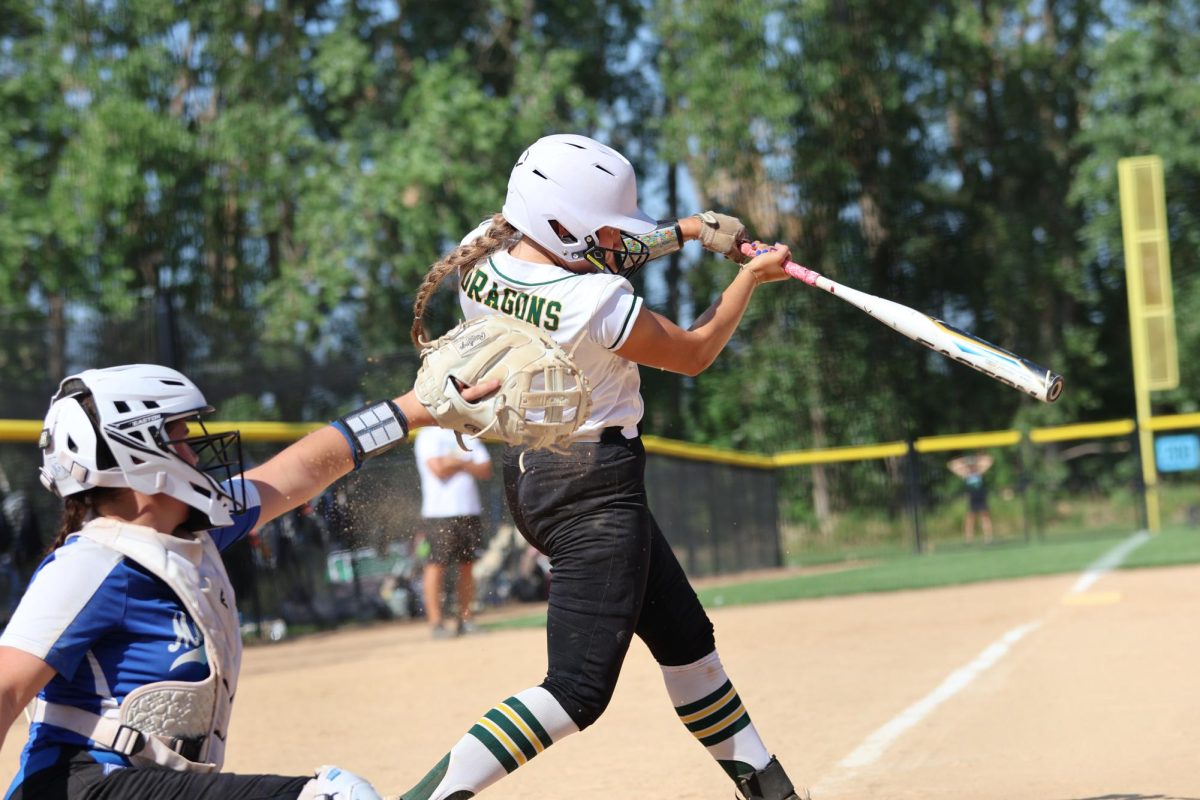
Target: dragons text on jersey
[
  {"x": 525, "y": 306},
  {"x": 590, "y": 315}
]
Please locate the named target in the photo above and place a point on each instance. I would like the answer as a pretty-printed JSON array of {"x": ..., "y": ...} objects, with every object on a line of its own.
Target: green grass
[
  {"x": 1178, "y": 545},
  {"x": 1175, "y": 545}
]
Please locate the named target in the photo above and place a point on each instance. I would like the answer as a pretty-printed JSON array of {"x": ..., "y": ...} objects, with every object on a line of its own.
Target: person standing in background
[
  {"x": 971, "y": 469},
  {"x": 451, "y": 508}
]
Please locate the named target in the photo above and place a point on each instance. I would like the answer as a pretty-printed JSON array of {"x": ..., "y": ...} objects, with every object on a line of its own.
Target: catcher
[
  {"x": 559, "y": 258},
  {"x": 127, "y": 639}
]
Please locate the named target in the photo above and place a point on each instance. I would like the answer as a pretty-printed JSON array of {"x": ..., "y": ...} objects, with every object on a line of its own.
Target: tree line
[{"x": 255, "y": 188}]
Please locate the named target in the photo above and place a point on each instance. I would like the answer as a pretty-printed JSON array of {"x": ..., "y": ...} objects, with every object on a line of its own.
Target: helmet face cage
[
  {"x": 626, "y": 260},
  {"x": 218, "y": 456}
]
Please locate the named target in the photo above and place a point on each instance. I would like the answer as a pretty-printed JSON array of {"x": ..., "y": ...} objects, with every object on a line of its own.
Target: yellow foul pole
[{"x": 1151, "y": 307}]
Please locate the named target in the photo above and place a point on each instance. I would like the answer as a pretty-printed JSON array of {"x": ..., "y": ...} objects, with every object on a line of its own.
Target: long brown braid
[
  {"x": 77, "y": 509},
  {"x": 498, "y": 235}
]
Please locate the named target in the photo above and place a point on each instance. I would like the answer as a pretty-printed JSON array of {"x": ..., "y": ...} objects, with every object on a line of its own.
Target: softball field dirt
[{"x": 1040, "y": 689}]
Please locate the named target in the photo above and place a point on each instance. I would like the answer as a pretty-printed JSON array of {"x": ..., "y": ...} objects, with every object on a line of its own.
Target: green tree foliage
[
  {"x": 922, "y": 152},
  {"x": 1145, "y": 99},
  {"x": 282, "y": 174}
]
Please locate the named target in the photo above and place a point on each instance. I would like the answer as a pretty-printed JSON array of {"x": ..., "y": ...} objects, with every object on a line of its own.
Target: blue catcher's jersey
[{"x": 106, "y": 626}]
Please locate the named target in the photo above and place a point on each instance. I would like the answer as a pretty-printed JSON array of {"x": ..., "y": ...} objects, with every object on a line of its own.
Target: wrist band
[
  {"x": 678, "y": 230},
  {"x": 372, "y": 430}
]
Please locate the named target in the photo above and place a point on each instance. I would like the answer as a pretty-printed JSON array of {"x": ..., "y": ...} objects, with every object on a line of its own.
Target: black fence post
[
  {"x": 166, "y": 329},
  {"x": 913, "y": 479},
  {"x": 1139, "y": 481},
  {"x": 773, "y": 490},
  {"x": 1023, "y": 487}
]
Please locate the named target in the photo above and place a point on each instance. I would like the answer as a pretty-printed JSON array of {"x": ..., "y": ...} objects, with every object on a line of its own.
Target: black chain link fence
[{"x": 357, "y": 552}]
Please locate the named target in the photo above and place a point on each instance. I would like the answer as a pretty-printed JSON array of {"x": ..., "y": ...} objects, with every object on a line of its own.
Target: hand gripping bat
[{"x": 954, "y": 343}]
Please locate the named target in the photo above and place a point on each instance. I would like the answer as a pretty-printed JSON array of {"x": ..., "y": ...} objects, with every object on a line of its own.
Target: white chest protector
[{"x": 177, "y": 724}]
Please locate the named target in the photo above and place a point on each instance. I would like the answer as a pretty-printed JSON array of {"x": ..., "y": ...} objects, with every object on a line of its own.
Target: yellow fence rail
[{"x": 20, "y": 430}]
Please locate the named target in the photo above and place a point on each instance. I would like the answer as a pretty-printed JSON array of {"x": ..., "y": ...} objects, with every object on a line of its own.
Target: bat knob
[{"x": 1055, "y": 389}]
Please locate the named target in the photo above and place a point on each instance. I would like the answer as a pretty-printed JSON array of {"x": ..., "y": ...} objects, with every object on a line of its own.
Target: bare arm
[
  {"x": 657, "y": 342},
  {"x": 305, "y": 469},
  {"x": 959, "y": 467},
  {"x": 479, "y": 470},
  {"x": 444, "y": 467},
  {"x": 21, "y": 677}
]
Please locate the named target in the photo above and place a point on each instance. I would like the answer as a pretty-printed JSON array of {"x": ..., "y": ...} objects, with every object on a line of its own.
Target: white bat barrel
[{"x": 958, "y": 345}]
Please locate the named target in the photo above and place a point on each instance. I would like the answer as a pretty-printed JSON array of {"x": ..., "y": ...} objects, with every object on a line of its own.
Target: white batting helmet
[
  {"x": 124, "y": 443},
  {"x": 583, "y": 186}
]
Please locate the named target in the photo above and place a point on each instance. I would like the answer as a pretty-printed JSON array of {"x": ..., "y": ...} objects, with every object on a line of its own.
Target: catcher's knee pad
[
  {"x": 769, "y": 783},
  {"x": 332, "y": 783}
]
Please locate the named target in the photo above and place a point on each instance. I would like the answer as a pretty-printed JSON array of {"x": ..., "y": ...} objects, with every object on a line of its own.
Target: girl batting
[{"x": 559, "y": 256}]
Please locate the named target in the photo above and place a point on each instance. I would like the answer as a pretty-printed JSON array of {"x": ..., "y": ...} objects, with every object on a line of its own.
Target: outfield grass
[
  {"x": 1175, "y": 545},
  {"x": 907, "y": 571}
]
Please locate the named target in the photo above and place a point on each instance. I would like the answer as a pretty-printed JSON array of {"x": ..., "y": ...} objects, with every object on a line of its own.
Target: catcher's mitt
[{"x": 543, "y": 397}]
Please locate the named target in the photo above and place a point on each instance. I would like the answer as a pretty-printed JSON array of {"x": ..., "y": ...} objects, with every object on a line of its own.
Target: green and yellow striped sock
[
  {"x": 709, "y": 706},
  {"x": 504, "y": 738}
]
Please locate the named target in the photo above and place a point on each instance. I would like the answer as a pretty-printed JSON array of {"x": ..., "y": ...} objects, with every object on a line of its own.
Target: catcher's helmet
[
  {"x": 123, "y": 442},
  {"x": 583, "y": 186}
]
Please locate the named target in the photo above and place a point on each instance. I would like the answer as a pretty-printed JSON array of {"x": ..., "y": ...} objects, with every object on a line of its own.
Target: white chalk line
[
  {"x": 1109, "y": 561},
  {"x": 878, "y": 742},
  {"x": 875, "y": 745}
]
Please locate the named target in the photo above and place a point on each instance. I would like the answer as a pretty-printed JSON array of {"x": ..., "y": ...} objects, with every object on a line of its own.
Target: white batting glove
[{"x": 722, "y": 234}]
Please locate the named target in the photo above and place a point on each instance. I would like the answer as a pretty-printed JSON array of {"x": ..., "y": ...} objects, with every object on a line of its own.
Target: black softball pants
[
  {"x": 77, "y": 777},
  {"x": 613, "y": 572}
]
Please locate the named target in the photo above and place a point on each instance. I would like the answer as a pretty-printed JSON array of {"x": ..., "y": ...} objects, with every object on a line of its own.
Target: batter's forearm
[{"x": 716, "y": 325}]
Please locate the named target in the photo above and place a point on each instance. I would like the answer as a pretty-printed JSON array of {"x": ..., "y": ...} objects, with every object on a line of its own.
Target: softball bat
[{"x": 942, "y": 337}]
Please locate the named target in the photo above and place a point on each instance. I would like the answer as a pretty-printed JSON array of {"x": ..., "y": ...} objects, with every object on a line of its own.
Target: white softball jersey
[
  {"x": 458, "y": 495},
  {"x": 107, "y": 626},
  {"x": 589, "y": 314}
]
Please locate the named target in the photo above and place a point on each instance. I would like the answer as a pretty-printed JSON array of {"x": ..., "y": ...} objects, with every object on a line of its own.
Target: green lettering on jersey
[
  {"x": 493, "y": 298},
  {"x": 522, "y": 305},
  {"x": 506, "y": 304},
  {"x": 535, "y": 310},
  {"x": 478, "y": 281},
  {"x": 553, "y": 309}
]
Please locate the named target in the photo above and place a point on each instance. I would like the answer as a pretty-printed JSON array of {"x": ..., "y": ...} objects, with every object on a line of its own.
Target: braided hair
[{"x": 498, "y": 235}]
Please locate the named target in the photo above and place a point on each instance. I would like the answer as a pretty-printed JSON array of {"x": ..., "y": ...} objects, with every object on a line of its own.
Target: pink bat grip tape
[{"x": 792, "y": 268}]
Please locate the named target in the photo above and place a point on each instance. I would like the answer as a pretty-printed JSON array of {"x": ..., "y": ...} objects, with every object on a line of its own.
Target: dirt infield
[{"x": 910, "y": 695}]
